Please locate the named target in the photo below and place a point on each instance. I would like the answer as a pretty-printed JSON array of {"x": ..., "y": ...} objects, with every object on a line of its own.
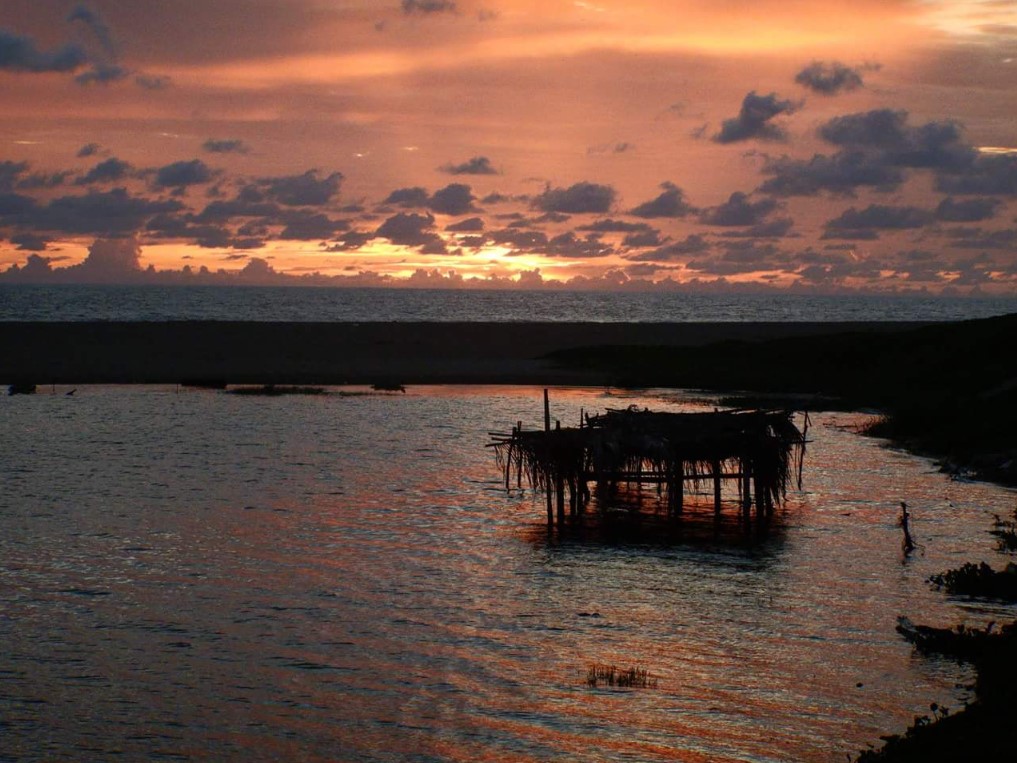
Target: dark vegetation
[
  {"x": 979, "y": 580},
  {"x": 944, "y": 390},
  {"x": 947, "y": 390},
  {"x": 626, "y": 678}
]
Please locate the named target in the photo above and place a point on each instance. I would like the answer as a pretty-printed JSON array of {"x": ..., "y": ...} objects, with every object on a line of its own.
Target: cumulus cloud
[
  {"x": 609, "y": 225},
  {"x": 984, "y": 174},
  {"x": 881, "y": 217},
  {"x": 302, "y": 190},
  {"x": 89, "y": 149},
  {"x": 469, "y": 225},
  {"x": 182, "y": 174},
  {"x": 478, "y": 165},
  {"x": 109, "y": 260},
  {"x": 110, "y": 170},
  {"x": 20, "y": 54},
  {"x": 739, "y": 209},
  {"x": 840, "y": 174},
  {"x": 408, "y": 197},
  {"x": 966, "y": 210},
  {"x": 829, "y": 78},
  {"x": 642, "y": 239},
  {"x": 670, "y": 203},
  {"x": 426, "y": 7},
  {"x": 453, "y": 199},
  {"x": 754, "y": 119},
  {"x": 680, "y": 250},
  {"x": 109, "y": 213},
  {"x": 580, "y": 198},
  {"x": 225, "y": 146},
  {"x": 936, "y": 145},
  {"x": 408, "y": 229}
]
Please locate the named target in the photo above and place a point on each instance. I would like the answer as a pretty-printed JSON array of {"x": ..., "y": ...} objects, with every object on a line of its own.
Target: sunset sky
[{"x": 869, "y": 144}]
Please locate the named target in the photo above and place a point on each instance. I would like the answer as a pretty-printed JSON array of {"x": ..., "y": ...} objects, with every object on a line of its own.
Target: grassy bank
[{"x": 947, "y": 390}]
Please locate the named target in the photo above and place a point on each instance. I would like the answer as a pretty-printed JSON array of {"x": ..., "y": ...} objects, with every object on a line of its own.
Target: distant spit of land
[{"x": 355, "y": 353}]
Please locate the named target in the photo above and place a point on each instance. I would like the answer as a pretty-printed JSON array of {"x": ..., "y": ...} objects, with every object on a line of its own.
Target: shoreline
[{"x": 356, "y": 353}]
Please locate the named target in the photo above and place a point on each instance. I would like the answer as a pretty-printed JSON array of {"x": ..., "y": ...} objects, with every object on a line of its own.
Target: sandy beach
[{"x": 348, "y": 353}]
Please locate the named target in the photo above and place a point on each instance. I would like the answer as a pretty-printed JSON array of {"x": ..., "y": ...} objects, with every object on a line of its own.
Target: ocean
[
  {"x": 192, "y": 574},
  {"x": 287, "y": 304}
]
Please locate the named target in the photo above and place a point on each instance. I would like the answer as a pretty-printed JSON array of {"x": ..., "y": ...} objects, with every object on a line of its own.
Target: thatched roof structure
[{"x": 667, "y": 448}]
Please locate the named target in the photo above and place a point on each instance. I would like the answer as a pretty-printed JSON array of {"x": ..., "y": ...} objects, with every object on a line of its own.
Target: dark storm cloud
[
  {"x": 20, "y": 54},
  {"x": 680, "y": 250},
  {"x": 880, "y": 217},
  {"x": 670, "y": 203},
  {"x": 754, "y": 119},
  {"x": 985, "y": 174},
  {"x": 408, "y": 229},
  {"x": 110, "y": 170},
  {"x": 453, "y": 199},
  {"x": 478, "y": 165},
  {"x": 469, "y": 225},
  {"x": 426, "y": 7},
  {"x": 738, "y": 210},
  {"x": 408, "y": 197},
  {"x": 302, "y": 190},
  {"x": 966, "y": 210},
  {"x": 182, "y": 174},
  {"x": 829, "y": 78},
  {"x": 842, "y": 173},
  {"x": 580, "y": 198},
  {"x": 225, "y": 146}
]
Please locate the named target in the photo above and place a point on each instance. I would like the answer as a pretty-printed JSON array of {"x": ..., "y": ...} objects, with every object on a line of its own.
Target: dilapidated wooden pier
[{"x": 762, "y": 451}]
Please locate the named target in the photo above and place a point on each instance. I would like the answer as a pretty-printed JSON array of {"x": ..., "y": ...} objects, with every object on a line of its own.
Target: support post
[
  {"x": 746, "y": 485},
  {"x": 716, "y": 487}
]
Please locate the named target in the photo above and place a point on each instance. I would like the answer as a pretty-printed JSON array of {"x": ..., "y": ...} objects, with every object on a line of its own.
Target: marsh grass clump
[
  {"x": 1005, "y": 531},
  {"x": 979, "y": 580},
  {"x": 611, "y": 675}
]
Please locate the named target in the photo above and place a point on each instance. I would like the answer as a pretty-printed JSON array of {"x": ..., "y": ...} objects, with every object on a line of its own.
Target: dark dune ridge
[{"x": 353, "y": 353}]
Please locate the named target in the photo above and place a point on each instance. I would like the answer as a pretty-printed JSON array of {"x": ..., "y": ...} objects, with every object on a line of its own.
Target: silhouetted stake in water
[
  {"x": 762, "y": 451},
  {"x": 908, "y": 544}
]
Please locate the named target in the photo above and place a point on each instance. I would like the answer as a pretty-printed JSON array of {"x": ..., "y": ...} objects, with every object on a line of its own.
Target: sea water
[
  {"x": 195, "y": 574},
  {"x": 221, "y": 303}
]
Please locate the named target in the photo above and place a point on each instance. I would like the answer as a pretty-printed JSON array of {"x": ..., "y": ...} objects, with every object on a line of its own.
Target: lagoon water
[
  {"x": 199, "y": 575},
  {"x": 288, "y": 304}
]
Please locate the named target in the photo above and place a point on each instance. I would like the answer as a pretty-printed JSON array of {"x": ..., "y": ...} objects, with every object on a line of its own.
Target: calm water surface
[
  {"x": 284, "y": 304},
  {"x": 203, "y": 575}
]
